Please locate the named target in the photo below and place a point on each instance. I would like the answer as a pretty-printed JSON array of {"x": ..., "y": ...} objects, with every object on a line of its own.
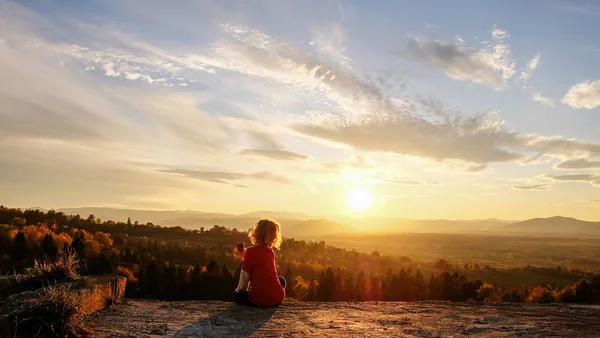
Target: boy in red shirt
[{"x": 259, "y": 283}]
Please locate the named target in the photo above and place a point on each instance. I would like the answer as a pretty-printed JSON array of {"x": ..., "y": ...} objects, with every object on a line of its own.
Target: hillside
[
  {"x": 556, "y": 225},
  {"x": 300, "y": 224},
  {"x": 139, "y": 318}
]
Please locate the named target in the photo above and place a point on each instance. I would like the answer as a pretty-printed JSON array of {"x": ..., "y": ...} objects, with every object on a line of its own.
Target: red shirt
[{"x": 265, "y": 288}]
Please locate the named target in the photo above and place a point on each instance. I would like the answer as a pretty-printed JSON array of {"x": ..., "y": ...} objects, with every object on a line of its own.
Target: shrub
[
  {"x": 541, "y": 295},
  {"x": 125, "y": 272},
  {"x": 59, "y": 313},
  {"x": 62, "y": 269},
  {"x": 513, "y": 296},
  {"x": 487, "y": 293}
]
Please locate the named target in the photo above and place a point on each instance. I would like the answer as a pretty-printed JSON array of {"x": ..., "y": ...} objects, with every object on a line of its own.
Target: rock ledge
[{"x": 142, "y": 318}]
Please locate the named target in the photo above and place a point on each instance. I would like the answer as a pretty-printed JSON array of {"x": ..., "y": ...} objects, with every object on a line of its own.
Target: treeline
[{"x": 177, "y": 267}]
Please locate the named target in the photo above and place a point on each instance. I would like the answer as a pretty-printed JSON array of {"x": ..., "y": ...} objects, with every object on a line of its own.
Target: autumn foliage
[{"x": 175, "y": 264}]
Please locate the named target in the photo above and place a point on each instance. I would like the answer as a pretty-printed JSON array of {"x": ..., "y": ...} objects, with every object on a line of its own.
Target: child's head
[{"x": 266, "y": 232}]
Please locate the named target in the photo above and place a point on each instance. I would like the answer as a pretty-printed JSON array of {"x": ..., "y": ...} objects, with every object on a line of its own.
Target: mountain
[
  {"x": 300, "y": 224},
  {"x": 294, "y": 224},
  {"x": 316, "y": 227},
  {"x": 555, "y": 225},
  {"x": 290, "y": 227},
  {"x": 399, "y": 225},
  {"x": 142, "y": 216},
  {"x": 278, "y": 215}
]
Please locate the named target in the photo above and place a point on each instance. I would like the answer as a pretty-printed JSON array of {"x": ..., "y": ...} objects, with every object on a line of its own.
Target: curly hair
[{"x": 266, "y": 232}]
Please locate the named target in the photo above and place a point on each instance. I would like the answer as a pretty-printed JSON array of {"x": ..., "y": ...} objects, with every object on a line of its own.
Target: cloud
[
  {"x": 578, "y": 164},
  {"x": 135, "y": 76},
  {"x": 492, "y": 65},
  {"x": 536, "y": 187},
  {"x": 583, "y": 95},
  {"x": 370, "y": 121},
  {"x": 585, "y": 178},
  {"x": 274, "y": 154},
  {"x": 476, "y": 168},
  {"x": 109, "y": 69},
  {"x": 224, "y": 177},
  {"x": 359, "y": 162},
  {"x": 531, "y": 66},
  {"x": 468, "y": 138},
  {"x": 499, "y": 33},
  {"x": 409, "y": 182},
  {"x": 538, "y": 97},
  {"x": 330, "y": 41},
  {"x": 556, "y": 145}
]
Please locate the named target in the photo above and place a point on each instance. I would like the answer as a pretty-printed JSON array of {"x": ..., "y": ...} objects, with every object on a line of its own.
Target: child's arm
[{"x": 244, "y": 281}]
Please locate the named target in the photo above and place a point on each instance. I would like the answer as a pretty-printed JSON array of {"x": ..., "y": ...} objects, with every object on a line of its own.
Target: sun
[{"x": 359, "y": 199}]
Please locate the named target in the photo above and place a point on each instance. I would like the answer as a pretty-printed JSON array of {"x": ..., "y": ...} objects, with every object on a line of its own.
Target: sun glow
[{"x": 359, "y": 199}]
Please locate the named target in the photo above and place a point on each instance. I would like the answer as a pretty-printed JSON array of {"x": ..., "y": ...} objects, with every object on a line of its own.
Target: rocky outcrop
[
  {"x": 141, "y": 318},
  {"x": 38, "y": 312}
]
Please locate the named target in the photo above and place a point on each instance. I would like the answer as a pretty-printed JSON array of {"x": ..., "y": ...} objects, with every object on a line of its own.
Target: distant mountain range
[
  {"x": 303, "y": 225},
  {"x": 555, "y": 225}
]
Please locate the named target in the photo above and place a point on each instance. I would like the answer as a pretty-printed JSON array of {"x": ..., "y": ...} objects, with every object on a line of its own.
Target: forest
[{"x": 172, "y": 263}]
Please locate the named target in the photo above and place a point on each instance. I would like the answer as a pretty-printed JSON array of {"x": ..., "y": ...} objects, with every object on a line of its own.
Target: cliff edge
[{"x": 144, "y": 318}]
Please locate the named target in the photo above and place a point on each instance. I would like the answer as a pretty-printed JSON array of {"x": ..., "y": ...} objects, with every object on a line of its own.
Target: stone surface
[{"x": 145, "y": 318}]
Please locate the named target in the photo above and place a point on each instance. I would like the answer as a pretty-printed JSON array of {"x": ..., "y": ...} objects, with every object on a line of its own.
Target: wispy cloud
[
  {"x": 578, "y": 164},
  {"x": 529, "y": 69},
  {"x": 538, "y": 97},
  {"x": 534, "y": 187},
  {"x": 274, "y": 154},
  {"x": 585, "y": 178},
  {"x": 492, "y": 65},
  {"x": 583, "y": 95},
  {"x": 225, "y": 177},
  {"x": 410, "y": 182}
]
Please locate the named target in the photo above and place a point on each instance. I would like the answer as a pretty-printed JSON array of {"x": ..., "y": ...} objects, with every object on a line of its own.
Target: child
[{"x": 259, "y": 284}]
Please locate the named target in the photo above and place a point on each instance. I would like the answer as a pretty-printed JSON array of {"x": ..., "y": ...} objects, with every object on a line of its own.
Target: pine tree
[
  {"x": 291, "y": 283},
  {"x": 49, "y": 249},
  {"x": 362, "y": 287},
  {"x": 19, "y": 247},
  {"x": 349, "y": 289}
]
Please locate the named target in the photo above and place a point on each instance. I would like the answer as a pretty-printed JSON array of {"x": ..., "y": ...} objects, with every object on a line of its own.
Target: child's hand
[{"x": 240, "y": 250}]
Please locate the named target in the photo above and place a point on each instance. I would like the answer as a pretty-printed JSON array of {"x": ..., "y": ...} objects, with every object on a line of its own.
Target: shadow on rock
[{"x": 235, "y": 321}]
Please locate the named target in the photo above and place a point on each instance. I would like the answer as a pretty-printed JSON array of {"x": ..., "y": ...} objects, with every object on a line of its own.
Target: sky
[{"x": 457, "y": 110}]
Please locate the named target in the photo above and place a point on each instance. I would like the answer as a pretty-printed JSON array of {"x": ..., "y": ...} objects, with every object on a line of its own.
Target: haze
[{"x": 338, "y": 109}]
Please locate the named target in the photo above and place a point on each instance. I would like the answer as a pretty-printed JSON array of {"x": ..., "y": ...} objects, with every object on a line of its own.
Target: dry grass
[
  {"x": 59, "y": 313},
  {"x": 63, "y": 268}
]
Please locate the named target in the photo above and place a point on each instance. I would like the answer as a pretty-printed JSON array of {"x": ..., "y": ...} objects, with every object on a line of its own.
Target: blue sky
[{"x": 233, "y": 106}]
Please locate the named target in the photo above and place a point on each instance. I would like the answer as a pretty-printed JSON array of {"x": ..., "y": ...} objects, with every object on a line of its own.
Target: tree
[
  {"x": 291, "y": 283},
  {"x": 362, "y": 287},
  {"x": 49, "y": 249},
  {"x": 19, "y": 222},
  {"x": 374, "y": 288},
  {"x": 487, "y": 293},
  {"x": 128, "y": 221},
  {"x": 19, "y": 247},
  {"x": 419, "y": 287},
  {"x": 349, "y": 289}
]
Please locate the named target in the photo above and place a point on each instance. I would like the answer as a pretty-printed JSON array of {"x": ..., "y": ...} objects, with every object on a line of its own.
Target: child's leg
[
  {"x": 283, "y": 282},
  {"x": 241, "y": 298}
]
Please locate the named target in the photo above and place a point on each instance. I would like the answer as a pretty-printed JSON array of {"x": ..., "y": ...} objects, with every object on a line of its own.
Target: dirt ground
[{"x": 137, "y": 318}]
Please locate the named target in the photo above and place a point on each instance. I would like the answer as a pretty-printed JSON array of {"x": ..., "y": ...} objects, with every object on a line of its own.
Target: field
[{"x": 494, "y": 250}]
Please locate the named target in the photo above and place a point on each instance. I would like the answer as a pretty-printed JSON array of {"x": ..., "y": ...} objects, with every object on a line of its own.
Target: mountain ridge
[{"x": 305, "y": 224}]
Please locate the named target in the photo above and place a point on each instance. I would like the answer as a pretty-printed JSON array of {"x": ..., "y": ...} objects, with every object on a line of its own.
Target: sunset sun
[{"x": 359, "y": 199}]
